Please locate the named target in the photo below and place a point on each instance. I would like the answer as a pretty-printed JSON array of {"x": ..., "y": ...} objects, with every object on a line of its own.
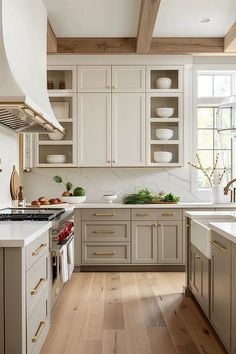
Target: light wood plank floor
[{"x": 128, "y": 313}]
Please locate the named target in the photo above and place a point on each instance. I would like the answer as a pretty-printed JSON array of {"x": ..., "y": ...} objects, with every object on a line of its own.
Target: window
[{"x": 213, "y": 86}]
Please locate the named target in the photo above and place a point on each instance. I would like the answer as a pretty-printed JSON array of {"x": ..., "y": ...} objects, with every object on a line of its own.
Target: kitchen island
[
  {"x": 211, "y": 269},
  {"x": 24, "y": 286}
]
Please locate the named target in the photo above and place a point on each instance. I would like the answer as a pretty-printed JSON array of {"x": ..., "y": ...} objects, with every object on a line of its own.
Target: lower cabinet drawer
[
  {"x": 106, "y": 231},
  {"x": 106, "y": 253},
  {"x": 36, "y": 281},
  {"x": 36, "y": 248},
  {"x": 38, "y": 325}
]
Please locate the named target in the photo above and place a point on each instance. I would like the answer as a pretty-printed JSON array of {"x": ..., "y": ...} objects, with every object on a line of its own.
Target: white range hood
[{"x": 24, "y": 103}]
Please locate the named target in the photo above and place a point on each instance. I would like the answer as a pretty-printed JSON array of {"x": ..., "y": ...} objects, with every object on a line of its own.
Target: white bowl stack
[
  {"x": 56, "y": 158},
  {"x": 164, "y": 134},
  {"x": 162, "y": 156},
  {"x": 164, "y": 112},
  {"x": 163, "y": 83}
]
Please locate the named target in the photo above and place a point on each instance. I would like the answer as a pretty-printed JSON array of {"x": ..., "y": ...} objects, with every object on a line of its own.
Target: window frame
[{"x": 205, "y": 193}]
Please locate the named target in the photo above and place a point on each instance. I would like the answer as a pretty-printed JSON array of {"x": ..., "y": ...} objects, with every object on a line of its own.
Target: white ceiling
[
  {"x": 119, "y": 18},
  {"x": 94, "y": 18},
  {"x": 178, "y": 18}
]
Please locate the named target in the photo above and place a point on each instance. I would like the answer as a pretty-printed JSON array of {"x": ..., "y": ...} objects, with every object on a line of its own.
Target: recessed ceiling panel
[
  {"x": 182, "y": 18},
  {"x": 94, "y": 18}
]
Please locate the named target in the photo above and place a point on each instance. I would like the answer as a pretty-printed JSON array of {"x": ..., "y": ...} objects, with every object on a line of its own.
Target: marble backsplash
[{"x": 100, "y": 181}]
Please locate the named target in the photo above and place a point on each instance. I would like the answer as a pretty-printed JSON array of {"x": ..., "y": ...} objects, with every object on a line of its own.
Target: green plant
[
  {"x": 146, "y": 196},
  {"x": 59, "y": 180}
]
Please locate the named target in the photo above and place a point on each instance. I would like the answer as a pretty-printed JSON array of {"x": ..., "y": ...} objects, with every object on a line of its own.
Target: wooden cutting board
[
  {"x": 14, "y": 183},
  {"x": 49, "y": 206}
]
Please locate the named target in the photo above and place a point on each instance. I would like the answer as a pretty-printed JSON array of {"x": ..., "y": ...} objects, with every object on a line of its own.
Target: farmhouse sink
[{"x": 201, "y": 232}]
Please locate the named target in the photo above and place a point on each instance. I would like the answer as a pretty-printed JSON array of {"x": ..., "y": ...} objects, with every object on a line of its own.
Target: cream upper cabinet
[
  {"x": 94, "y": 79},
  {"x": 128, "y": 129},
  {"x": 94, "y": 129},
  {"x": 128, "y": 78}
]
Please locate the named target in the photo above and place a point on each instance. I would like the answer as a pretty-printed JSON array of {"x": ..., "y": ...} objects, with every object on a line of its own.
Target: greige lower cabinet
[
  {"x": 157, "y": 236},
  {"x": 170, "y": 242},
  {"x": 199, "y": 276},
  {"x": 233, "y": 303},
  {"x": 221, "y": 286},
  {"x": 105, "y": 236},
  {"x": 26, "y": 301},
  {"x": 144, "y": 242},
  {"x": 131, "y": 236}
]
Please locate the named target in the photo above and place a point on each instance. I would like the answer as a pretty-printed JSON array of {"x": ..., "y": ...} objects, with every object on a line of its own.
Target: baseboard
[{"x": 132, "y": 268}]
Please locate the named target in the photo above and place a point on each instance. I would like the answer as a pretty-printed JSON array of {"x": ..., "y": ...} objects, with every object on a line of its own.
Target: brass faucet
[{"x": 233, "y": 193}]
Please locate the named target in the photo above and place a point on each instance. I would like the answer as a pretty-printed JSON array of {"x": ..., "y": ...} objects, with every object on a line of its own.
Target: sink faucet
[{"x": 233, "y": 193}]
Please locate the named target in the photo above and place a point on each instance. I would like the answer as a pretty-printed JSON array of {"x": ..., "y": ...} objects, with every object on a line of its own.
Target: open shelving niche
[
  {"x": 63, "y": 103},
  {"x": 175, "y": 123}
]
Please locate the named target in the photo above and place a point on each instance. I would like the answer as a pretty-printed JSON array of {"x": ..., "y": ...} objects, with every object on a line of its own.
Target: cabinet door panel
[
  {"x": 128, "y": 129},
  {"x": 128, "y": 78},
  {"x": 144, "y": 242},
  {"x": 221, "y": 286},
  {"x": 94, "y": 79},
  {"x": 170, "y": 242},
  {"x": 94, "y": 111}
]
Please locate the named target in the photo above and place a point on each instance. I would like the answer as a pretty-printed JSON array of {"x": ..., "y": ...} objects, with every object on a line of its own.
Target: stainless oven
[{"x": 62, "y": 256}]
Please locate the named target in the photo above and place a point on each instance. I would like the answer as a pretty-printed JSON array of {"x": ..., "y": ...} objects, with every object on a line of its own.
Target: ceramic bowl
[
  {"x": 164, "y": 112},
  {"x": 110, "y": 197},
  {"x": 73, "y": 199},
  {"x": 56, "y": 158},
  {"x": 163, "y": 83},
  {"x": 162, "y": 156},
  {"x": 56, "y": 136},
  {"x": 164, "y": 134}
]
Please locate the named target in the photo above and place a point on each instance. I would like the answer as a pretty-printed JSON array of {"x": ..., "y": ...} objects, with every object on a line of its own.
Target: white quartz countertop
[
  {"x": 225, "y": 229},
  {"x": 152, "y": 206},
  {"x": 21, "y": 233},
  {"x": 208, "y": 214}
]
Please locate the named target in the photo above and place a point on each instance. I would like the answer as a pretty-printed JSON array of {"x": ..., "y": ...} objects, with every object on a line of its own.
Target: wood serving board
[
  {"x": 160, "y": 202},
  {"x": 49, "y": 206},
  {"x": 14, "y": 184}
]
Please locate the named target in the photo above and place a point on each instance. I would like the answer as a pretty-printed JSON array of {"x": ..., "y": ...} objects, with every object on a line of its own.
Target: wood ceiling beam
[
  {"x": 230, "y": 40},
  {"x": 160, "y": 45},
  {"x": 147, "y": 19},
  {"x": 51, "y": 40}
]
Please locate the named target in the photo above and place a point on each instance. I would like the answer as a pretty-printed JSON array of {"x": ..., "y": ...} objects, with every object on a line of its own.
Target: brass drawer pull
[
  {"x": 104, "y": 232},
  {"x": 197, "y": 257},
  {"x": 187, "y": 225},
  {"x": 39, "y": 249},
  {"x": 104, "y": 214},
  {"x": 104, "y": 253},
  {"x": 141, "y": 214},
  {"x": 39, "y": 331},
  {"x": 221, "y": 248},
  {"x": 38, "y": 285},
  {"x": 168, "y": 214}
]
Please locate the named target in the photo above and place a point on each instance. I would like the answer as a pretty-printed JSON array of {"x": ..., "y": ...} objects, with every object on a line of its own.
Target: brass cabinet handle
[
  {"x": 108, "y": 87},
  {"x": 38, "y": 285},
  {"x": 108, "y": 161},
  {"x": 104, "y": 232},
  {"x": 154, "y": 225},
  {"x": 114, "y": 161},
  {"x": 168, "y": 214},
  {"x": 141, "y": 214},
  {"x": 39, "y": 331},
  {"x": 104, "y": 253},
  {"x": 39, "y": 249},
  {"x": 159, "y": 225},
  {"x": 187, "y": 225},
  {"x": 104, "y": 214},
  {"x": 221, "y": 248},
  {"x": 197, "y": 257},
  {"x": 113, "y": 87}
]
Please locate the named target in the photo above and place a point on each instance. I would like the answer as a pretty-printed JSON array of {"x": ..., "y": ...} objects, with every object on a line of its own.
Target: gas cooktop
[{"x": 40, "y": 214}]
